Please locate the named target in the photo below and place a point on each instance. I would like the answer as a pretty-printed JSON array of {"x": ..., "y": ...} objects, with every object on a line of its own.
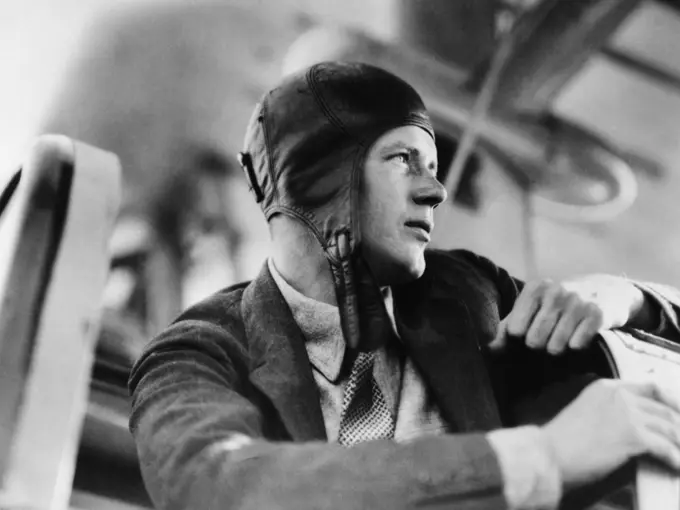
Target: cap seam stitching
[
  {"x": 307, "y": 218},
  {"x": 322, "y": 104},
  {"x": 270, "y": 169}
]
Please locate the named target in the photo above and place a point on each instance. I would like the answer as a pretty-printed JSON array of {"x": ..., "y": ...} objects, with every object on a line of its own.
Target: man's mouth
[{"x": 423, "y": 228}]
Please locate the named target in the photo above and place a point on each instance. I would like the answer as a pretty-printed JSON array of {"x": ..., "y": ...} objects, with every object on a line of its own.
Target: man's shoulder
[
  {"x": 215, "y": 321},
  {"x": 210, "y": 330},
  {"x": 221, "y": 309},
  {"x": 227, "y": 300},
  {"x": 459, "y": 264},
  {"x": 471, "y": 277}
]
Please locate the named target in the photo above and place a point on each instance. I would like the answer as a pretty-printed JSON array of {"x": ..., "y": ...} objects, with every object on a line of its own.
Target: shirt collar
[{"x": 320, "y": 324}]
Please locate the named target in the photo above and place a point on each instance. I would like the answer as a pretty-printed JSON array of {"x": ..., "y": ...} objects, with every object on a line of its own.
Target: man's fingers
[
  {"x": 661, "y": 442},
  {"x": 584, "y": 333},
  {"x": 658, "y": 392},
  {"x": 526, "y": 307},
  {"x": 566, "y": 327},
  {"x": 542, "y": 327},
  {"x": 665, "y": 413},
  {"x": 669, "y": 395},
  {"x": 552, "y": 304},
  {"x": 500, "y": 341},
  {"x": 659, "y": 425}
]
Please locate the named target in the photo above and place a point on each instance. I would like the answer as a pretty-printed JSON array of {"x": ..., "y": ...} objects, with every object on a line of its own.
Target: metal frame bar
[
  {"x": 554, "y": 40},
  {"x": 641, "y": 66}
]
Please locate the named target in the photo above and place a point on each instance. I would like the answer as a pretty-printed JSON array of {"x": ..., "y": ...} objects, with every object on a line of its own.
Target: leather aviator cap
[{"x": 304, "y": 152}]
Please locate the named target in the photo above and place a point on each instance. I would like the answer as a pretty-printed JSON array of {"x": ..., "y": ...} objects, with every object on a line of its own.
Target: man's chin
[
  {"x": 409, "y": 272},
  {"x": 391, "y": 270},
  {"x": 418, "y": 271}
]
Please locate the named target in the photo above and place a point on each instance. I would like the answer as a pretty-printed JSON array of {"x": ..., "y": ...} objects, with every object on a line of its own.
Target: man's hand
[
  {"x": 554, "y": 316},
  {"x": 611, "y": 422}
]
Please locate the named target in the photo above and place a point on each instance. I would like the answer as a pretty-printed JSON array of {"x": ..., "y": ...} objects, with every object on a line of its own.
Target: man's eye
[{"x": 402, "y": 157}]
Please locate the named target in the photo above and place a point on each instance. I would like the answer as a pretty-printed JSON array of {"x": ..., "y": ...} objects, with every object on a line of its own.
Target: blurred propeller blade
[{"x": 555, "y": 38}]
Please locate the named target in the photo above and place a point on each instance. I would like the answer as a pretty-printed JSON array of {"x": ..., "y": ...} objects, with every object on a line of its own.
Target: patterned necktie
[{"x": 365, "y": 415}]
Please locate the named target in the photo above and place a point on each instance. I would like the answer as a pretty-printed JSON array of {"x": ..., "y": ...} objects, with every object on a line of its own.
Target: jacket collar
[
  {"x": 440, "y": 336},
  {"x": 280, "y": 365},
  {"x": 434, "y": 324},
  {"x": 320, "y": 326}
]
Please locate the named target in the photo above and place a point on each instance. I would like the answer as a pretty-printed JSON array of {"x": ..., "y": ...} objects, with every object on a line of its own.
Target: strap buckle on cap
[{"x": 246, "y": 163}]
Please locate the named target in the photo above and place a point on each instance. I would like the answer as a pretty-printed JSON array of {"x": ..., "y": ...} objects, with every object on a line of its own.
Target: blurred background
[{"x": 573, "y": 170}]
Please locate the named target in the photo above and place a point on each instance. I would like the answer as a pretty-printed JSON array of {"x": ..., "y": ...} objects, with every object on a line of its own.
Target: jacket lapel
[
  {"x": 440, "y": 336},
  {"x": 281, "y": 368}
]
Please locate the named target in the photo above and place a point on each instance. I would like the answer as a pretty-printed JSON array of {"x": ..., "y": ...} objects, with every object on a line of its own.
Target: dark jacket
[{"x": 237, "y": 364}]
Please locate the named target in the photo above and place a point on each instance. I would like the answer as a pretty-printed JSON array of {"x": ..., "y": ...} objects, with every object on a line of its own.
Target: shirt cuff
[{"x": 531, "y": 477}]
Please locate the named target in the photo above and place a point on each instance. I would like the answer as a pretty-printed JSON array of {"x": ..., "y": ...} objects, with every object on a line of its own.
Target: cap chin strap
[{"x": 364, "y": 319}]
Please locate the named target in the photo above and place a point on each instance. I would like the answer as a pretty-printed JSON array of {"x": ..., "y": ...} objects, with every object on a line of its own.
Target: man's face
[{"x": 399, "y": 193}]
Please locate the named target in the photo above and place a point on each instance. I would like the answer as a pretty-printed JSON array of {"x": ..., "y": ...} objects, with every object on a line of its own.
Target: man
[{"x": 359, "y": 370}]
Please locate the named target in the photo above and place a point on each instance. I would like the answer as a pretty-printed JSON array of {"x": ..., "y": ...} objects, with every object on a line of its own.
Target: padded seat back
[{"x": 56, "y": 217}]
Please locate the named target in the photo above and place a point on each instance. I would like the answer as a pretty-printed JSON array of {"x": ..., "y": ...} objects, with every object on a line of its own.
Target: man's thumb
[{"x": 501, "y": 340}]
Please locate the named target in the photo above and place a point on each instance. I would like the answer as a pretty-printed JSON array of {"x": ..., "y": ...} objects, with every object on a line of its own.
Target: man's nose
[{"x": 431, "y": 192}]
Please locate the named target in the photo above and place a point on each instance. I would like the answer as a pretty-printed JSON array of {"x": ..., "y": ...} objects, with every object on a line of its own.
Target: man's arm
[
  {"x": 650, "y": 307},
  {"x": 201, "y": 444}
]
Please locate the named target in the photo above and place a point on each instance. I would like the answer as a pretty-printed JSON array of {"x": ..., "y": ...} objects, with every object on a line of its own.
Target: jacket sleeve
[{"x": 200, "y": 435}]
